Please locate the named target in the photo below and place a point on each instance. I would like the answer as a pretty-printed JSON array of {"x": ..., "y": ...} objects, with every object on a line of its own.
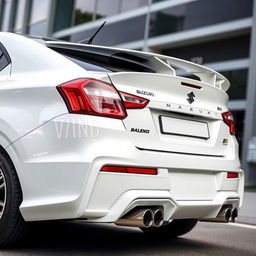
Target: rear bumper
[
  {"x": 173, "y": 209},
  {"x": 204, "y": 199},
  {"x": 60, "y": 176}
]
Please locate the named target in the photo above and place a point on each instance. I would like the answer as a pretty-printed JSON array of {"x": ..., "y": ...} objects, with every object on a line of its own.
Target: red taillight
[
  {"x": 232, "y": 175},
  {"x": 229, "y": 121},
  {"x": 93, "y": 97},
  {"x": 132, "y": 101},
  {"x": 129, "y": 170}
]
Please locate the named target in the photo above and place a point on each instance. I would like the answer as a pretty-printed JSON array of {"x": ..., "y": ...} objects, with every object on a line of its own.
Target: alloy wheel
[{"x": 2, "y": 193}]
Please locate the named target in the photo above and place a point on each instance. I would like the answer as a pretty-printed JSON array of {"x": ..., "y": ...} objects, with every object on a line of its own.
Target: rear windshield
[
  {"x": 98, "y": 61},
  {"x": 86, "y": 65}
]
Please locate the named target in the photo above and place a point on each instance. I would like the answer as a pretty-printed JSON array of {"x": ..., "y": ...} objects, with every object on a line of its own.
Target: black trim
[
  {"x": 6, "y": 54},
  {"x": 183, "y": 135},
  {"x": 179, "y": 153}
]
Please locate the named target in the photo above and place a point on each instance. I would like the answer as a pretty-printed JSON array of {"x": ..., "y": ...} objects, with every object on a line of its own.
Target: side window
[{"x": 4, "y": 58}]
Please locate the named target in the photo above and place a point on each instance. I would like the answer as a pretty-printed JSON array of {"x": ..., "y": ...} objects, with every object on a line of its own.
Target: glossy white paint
[{"x": 58, "y": 155}]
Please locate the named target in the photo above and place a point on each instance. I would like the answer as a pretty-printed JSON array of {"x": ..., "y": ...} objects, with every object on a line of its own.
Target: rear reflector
[
  {"x": 113, "y": 169},
  {"x": 142, "y": 171},
  {"x": 129, "y": 170},
  {"x": 191, "y": 85},
  {"x": 232, "y": 175},
  {"x": 229, "y": 121}
]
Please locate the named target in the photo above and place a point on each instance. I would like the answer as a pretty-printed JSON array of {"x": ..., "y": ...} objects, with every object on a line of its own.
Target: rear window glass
[
  {"x": 3, "y": 61},
  {"x": 84, "y": 64},
  {"x": 106, "y": 60}
]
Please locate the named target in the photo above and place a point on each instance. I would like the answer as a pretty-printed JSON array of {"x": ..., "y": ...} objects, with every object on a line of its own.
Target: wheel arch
[{"x": 7, "y": 149}]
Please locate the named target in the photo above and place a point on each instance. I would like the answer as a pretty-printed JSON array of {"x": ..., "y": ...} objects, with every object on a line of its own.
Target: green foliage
[{"x": 83, "y": 17}]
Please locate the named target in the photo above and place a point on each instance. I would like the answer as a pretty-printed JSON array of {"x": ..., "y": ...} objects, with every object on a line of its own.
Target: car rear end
[
  {"x": 172, "y": 145},
  {"x": 130, "y": 135}
]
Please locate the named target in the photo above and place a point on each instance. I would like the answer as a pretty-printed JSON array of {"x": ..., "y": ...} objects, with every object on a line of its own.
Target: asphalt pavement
[{"x": 77, "y": 238}]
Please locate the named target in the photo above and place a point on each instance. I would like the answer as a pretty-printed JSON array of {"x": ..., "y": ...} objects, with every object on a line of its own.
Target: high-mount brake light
[
  {"x": 229, "y": 121},
  {"x": 122, "y": 169},
  {"x": 92, "y": 97},
  {"x": 133, "y": 101},
  {"x": 191, "y": 85},
  {"x": 232, "y": 175}
]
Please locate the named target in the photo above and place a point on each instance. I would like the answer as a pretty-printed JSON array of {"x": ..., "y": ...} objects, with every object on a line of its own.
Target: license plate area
[
  {"x": 184, "y": 127},
  {"x": 189, "y": 185}
]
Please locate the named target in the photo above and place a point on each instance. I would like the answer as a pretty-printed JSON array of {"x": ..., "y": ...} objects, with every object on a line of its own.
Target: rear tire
[
  {"x": 12, "y": 225},
  {"x": 174, "y": 229}
]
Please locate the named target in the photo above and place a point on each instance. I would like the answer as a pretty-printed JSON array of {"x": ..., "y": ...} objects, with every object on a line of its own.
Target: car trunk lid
[{"x": 183, "y": 115}]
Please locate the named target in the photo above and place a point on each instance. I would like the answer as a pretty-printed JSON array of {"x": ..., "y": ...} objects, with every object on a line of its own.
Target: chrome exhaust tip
[
  {"x": 223, "y": 216},
  {"x": 148, "y": 218},
  {"x": 226, "y": 214},
  {"x": 142, "y": 218},
  {"x": 234, "y": 214},
  {"x": 158, "y": 218}
]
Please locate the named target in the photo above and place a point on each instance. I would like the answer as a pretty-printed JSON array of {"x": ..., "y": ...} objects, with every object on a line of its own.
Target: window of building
[
  {"x": 63, "y": 14},
  {"x": 198, "y": 14},
  {"x": 238, "y": 82},
  {"x": 19, "y": 15},
  {"x": 1, "y": 12},
  {"x": 39, "y": 10},
  {"x": 115, "y": 33},
  {"x": 84, "y": 11},
  {"x": 107, "y": 8},
  {"x": 76, "y": 12},
  {"x": 133, "y": 4},
  {"x": 213, "y": 51},
  {"x": 38, "y": 17},
  {"x": 5, "y": 15}
]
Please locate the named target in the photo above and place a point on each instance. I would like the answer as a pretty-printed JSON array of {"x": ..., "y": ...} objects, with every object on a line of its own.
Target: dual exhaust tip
[
  {"x": 225, "y": 215},
  {"x": 143, "y": 218},
  {"x": 230, "y": 214}
]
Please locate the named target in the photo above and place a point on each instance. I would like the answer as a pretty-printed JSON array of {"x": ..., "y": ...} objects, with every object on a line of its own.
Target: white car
[{"x": 112, "y": 135}]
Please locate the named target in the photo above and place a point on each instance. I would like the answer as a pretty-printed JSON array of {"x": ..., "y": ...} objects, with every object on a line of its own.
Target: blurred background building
[{"x": 220, "y": 34}]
